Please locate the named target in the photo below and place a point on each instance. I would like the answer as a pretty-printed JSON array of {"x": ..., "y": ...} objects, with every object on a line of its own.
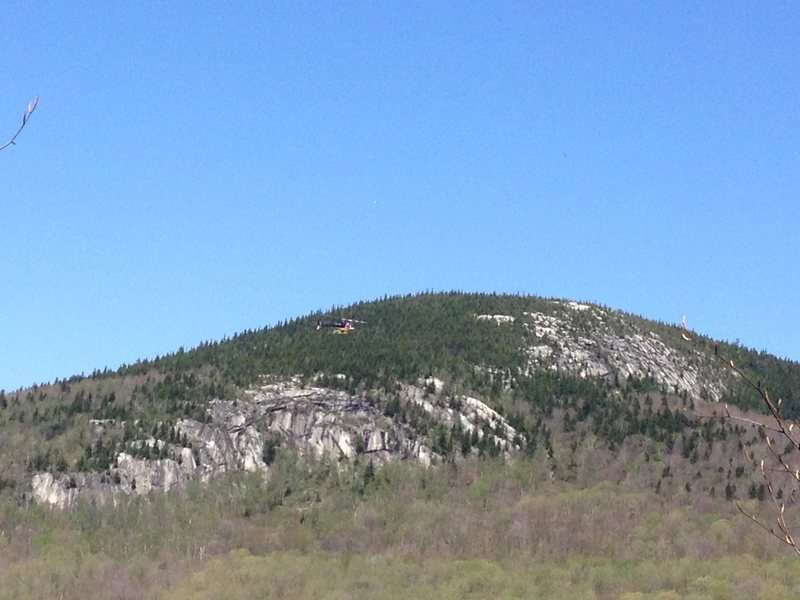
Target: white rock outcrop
[
  {"x": 590, "y": 342},
  {"x": 319, "y": 422}
]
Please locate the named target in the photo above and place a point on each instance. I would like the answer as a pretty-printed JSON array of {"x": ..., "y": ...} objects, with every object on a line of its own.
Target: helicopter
[{"x": 340, "y": 326}]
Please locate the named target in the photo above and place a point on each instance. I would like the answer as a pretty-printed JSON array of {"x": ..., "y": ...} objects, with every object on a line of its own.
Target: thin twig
[
  {"x": 782, "y": 427},
  {"x": 25, "y": 117}
]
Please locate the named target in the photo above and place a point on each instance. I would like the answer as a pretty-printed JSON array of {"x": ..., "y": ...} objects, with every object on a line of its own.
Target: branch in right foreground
[{"x": 779, "y": 462}]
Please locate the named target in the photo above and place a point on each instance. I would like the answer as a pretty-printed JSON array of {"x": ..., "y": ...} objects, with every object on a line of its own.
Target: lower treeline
[{"x": 473, "y": 528}]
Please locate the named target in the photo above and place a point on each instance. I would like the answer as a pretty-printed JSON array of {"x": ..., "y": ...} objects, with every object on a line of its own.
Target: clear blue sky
[{"x": 195, "y": 169}]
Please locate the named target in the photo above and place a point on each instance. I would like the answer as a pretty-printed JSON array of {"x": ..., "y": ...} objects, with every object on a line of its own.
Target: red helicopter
[{"x": 340, "y": 326}]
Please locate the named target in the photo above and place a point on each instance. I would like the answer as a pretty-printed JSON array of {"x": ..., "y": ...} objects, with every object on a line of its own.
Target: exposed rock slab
[
  {"x": 319, "y": 422},
  {"x": 580, "y": 340}
]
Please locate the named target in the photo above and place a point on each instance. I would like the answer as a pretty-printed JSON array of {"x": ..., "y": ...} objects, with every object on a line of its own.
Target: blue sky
[{"x": 195, "y": 169}]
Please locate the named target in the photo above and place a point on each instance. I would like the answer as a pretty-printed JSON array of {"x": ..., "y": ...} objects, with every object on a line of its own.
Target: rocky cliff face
[
  {"x": 314, "y": 421},
  {"x": 587, "y": 341}
]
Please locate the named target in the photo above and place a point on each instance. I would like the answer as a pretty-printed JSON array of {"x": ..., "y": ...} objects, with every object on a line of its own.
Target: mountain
[
  {"x": 491, "y": 396},
  {"x": 425, "y": 378}
]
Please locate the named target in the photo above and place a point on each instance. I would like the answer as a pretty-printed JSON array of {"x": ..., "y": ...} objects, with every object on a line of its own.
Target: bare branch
[
  {"x": 782, "y": 534},
  {"x": 25, "y": 117},
  {"x": 777, "y": 464}
]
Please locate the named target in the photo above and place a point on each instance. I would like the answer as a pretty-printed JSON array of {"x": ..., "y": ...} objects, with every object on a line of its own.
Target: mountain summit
[{"x": 428, "y": 378}]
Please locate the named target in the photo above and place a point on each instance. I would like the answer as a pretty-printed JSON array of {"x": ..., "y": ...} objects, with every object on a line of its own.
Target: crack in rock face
[{"x": 332, "y": 424}]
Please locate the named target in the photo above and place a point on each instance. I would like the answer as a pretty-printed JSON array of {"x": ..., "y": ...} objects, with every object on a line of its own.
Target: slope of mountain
[
  {"x": 428, "y": 378},
  {"x": 439, "y": 450}
]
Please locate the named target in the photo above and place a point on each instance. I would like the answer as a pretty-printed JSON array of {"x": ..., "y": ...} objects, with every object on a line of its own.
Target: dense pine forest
[{"x": 620, "y": 479}]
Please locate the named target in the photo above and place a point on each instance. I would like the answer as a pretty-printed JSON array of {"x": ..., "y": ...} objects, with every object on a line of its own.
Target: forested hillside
[{"x": 448, "y": 434}]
